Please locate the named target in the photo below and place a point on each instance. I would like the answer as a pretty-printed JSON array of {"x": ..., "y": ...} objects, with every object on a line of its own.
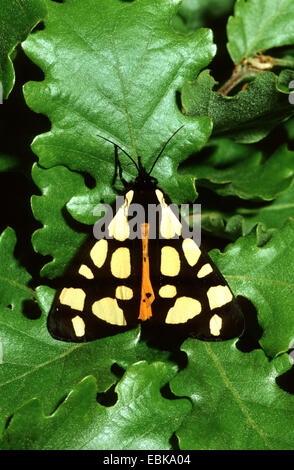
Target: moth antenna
[
  {"x": 118, "y": 168},
  {"x": 120, "y": 172},
  {"x": 126, "y": 153},
  {"x": 163, "y": 148}
]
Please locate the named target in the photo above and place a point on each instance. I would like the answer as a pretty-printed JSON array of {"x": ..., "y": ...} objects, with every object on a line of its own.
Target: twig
[{"x": 251, "y": 67}]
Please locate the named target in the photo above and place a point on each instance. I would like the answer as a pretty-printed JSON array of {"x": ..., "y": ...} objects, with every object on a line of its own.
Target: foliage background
[{"x": 135, "y": 71}]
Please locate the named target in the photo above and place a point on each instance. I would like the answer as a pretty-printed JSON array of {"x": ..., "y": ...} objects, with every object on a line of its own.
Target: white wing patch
[
  {"x": 205, "y": 271},
  {"x": 74, "y": 298},
  {"x": 78, "y": 326},
  {"x": 99, "y": 252},
  {"x": 167, "y": 291},
  {"x": 191, "y": 251},
  {"x": 215, "y": 325},
  {"x": 124, "y": 293},
  {"x": 107, "y": 309},
  {"x": 184, "y": 309},
  {"x": 119, "y": 226},
  {"x": 170, "y": 226},
  {"x": 86, "y": 272},
  {"x": 120, "y": 264},
  {"x": 219, "y": 296},
  {"x": 170, "y": 261}
]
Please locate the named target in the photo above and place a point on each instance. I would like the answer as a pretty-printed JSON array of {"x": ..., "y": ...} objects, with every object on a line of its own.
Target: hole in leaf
[
  {"x": 167, "y": 393},
  {"x": 31, "y": 310},
  {"x": 90, "y": 181},
  {"x": 8, "y": 421},
  {"x": 60, "y": 402},
  {"x": 253, "y": 331},
  {"x": 179, "y": 101},
  {"x": 117, "y": 370},
  {"x": 108, "y": 398},
  {"x": 9, "y": 306},
  {"x": 39, "y": 27},
  {"x": 286, "y": 381},
  {"x": 174, "y": 442}
]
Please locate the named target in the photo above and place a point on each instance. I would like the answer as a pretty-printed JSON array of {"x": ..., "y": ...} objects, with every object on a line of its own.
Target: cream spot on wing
[
  {"x": 123, "y": 293},
  {"x": 191, "y": 251},
  {"x": 78, "y": 326},
  {"x": 170, "y": 226},
  {"x": 129, "y": 197},
  {"x": 170, "y": 261},
  {"x": 183, "y": 310},
  {"x": 107, "y": 309},
  {"x": 74, "y": 298},
  {"x": 205, "y": 270},
  {"x": 219, "y": 296},
  {"x": 168, "y": 291},
  {"x": 99, "y": 252},
  {"x": 119, "y": 226},
  {"x": 86, "y": 272},
  {"x": 159, "y": 196},
  {"x": 215, "y": 325},
  {"x": 120, "y": 264}
]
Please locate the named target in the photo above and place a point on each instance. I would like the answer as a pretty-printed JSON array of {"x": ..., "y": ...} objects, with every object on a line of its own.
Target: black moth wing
[
  {"x": 103, "y": 285},
  {"x": 197, "y": 281},
  {"x": 215, "y": 320},
  {"x": 188, "y": 285}
]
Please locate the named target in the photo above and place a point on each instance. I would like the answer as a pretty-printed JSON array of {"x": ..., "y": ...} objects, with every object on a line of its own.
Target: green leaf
[
  {"x": 217, "y": 224},
  {"x": 57, "y": 238},
  {"x": 289, "y": 125},
  {"x": 265, "y": 276},
  {"x": 272, "y": 215},
  {"x": 235, "y": 226},
  {"x": 16, "y": 21},
  {"x": 246, "y": 117},
  {"x": 259, "y": 25},
  {"x": 133, "y": 70},
  {"x": 222, "y": 151},
  {"x": 285, "y": 79},
  {"x": 237, "y": 404},
  {"x": 36, "y": 365},
  {"x": 234, "y": 220},
  {"x": 194, "y": 14},
  {"x": 251, "y": 178},
  {"x": 140, "y": 419},
  {"x": 14, "y": 280}
]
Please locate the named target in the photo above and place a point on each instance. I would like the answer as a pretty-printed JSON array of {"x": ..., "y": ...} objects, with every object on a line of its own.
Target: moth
[{"x": 116, "y": 282}]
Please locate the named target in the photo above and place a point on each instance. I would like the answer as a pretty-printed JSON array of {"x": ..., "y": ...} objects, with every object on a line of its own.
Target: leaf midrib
[
  {"x": 259, "y": 281},
  {"x": 17, "y": 284},
  {"x": 39, "y": 366},
  {"x": 236, "y": 395}
]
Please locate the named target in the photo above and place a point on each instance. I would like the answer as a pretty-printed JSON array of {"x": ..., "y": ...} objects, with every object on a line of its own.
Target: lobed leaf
[
  {"x": 194, "y": 14},
  {"x": 251, "y": 178},
  {"x": 246, "y": 117},
  {"x": 264, "y": 275},
  {"x": 140, "y": 419},
  {"x": 36, "y": 365},
  {"x": 128, "y": 97},
  {"x": 259, "y": 25},
  {"x": 230, "y": 223},
  {"x": 57, "y": 237},
  {"x": 16, "y": 21},
  {"x": 237, "y": 404}
]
